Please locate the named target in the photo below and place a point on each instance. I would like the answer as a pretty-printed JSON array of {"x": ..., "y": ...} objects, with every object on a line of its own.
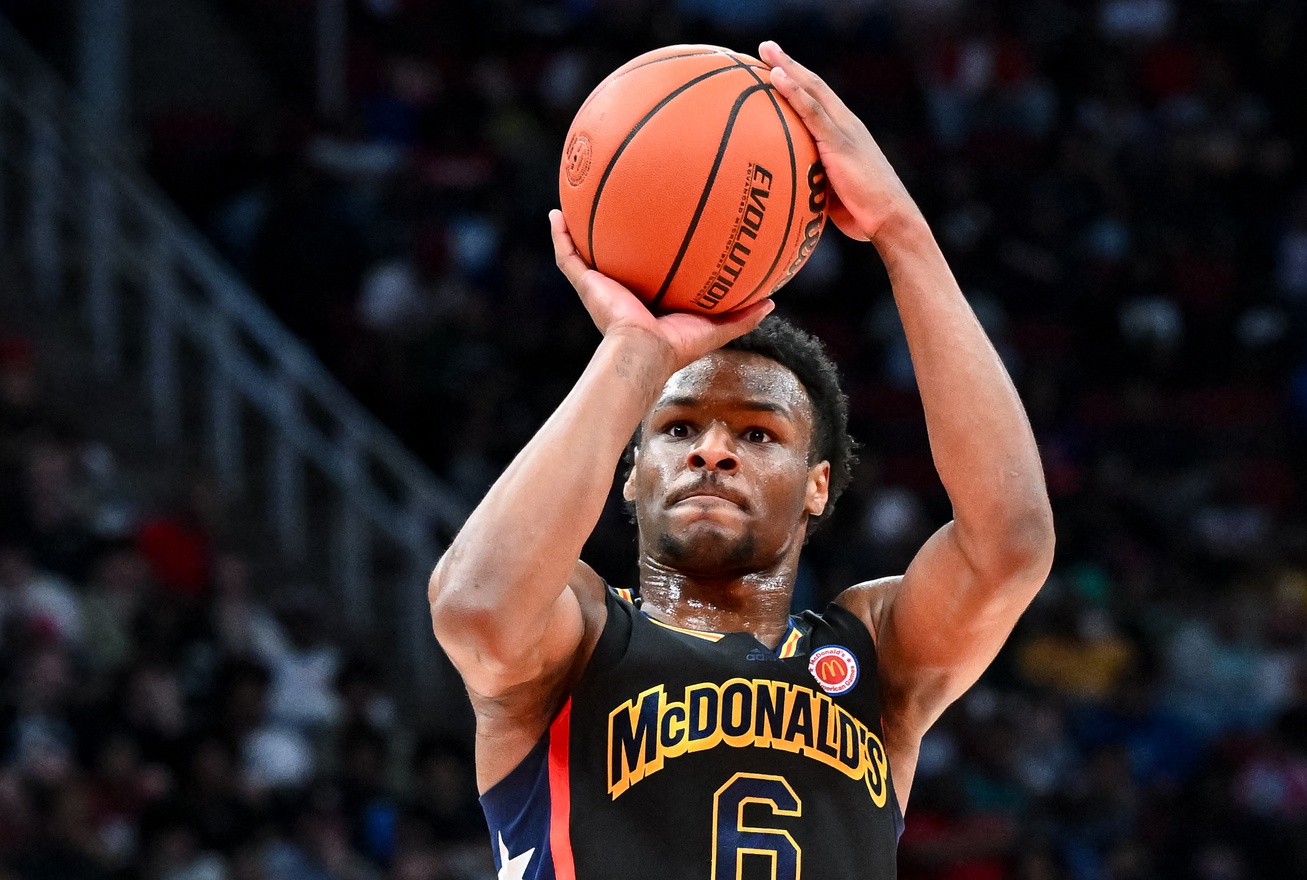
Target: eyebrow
[{"x": 752, "y": 405}]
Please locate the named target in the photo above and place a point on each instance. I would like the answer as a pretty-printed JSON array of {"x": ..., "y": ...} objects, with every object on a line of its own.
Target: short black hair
[{"x": 804, "y": 355}]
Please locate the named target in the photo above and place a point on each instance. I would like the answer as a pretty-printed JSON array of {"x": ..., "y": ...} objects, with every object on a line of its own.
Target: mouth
[{"x": 709, "y": 494}]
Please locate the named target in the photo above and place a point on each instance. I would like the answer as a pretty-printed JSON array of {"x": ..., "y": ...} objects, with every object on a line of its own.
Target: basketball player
[{"x": 701, "y": 731}]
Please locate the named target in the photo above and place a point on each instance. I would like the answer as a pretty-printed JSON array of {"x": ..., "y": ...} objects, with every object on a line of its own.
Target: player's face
[{"x": 722, "y": 481}]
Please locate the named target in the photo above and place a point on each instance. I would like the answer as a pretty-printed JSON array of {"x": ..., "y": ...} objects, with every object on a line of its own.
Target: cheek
[{"x": 786, "y": 491}]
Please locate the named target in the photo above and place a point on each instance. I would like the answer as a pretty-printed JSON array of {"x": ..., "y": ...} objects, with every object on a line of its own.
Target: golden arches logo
[
  {"x": 832, "y": 669},
  {"x": 835, "y": 669}
]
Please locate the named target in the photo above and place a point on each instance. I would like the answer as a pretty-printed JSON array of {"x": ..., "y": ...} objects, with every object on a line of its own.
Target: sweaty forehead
[{"x": 728, "y": 377}]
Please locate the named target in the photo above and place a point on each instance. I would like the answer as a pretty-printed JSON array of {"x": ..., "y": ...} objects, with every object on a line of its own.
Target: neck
[{"x": 755, "y": 602}]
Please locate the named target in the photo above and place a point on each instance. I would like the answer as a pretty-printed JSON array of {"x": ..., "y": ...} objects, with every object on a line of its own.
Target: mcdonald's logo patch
[{"x": 835, "y": 668}]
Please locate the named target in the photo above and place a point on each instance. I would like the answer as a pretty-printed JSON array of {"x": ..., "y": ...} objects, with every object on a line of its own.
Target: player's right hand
[
  {"x": 865, "y": 191},
  {"x": 615, "y": 309}
]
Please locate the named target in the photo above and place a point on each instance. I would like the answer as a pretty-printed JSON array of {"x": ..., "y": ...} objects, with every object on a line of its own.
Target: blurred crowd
[
  {"x": 169, "y": 711},
  {"x": 1120, "y": 188}
]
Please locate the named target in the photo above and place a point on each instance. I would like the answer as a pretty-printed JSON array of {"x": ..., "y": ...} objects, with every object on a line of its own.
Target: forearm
[
  {"x": 514, "y": 555},
  {"x": 980, "y": 437}
]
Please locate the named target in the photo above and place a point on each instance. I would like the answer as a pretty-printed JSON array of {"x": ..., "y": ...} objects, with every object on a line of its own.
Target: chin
[{"x": 707, "y": 549}]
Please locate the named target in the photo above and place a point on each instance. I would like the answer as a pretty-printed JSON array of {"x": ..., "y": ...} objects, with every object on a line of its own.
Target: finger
[
  {"x": 736, "y": 324},
  {"x": 600, "y": 295},
  {"x": 572, "y": 266},
  {"x": 810, "y": 110},
  {"x": 565, "y": 253},
  {"x": 775, "y": 56}
]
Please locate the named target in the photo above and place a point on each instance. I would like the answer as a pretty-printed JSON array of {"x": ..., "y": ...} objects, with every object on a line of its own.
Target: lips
[{"x": 709, "y": 490}]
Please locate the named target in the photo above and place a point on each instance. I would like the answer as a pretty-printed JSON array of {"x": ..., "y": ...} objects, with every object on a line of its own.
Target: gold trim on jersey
[
  {"x": 790, "y": 646},
  {"x": 697, "y": 633}
]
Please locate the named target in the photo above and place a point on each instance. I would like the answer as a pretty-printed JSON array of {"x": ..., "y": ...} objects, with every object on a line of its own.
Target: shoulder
[
  {"x": 510, "y": 723},
  {"x": 868, "y": 600},
  {"x": 541, "y": 682}
]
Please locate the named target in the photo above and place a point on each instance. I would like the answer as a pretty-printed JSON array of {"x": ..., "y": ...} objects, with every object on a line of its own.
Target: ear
[
  {"x": 628, "y": 488},
  {"x": 818, "y": 489}
]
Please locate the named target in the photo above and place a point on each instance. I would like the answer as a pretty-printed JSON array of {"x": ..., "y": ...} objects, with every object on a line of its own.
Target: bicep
[{"x": 942, "y": 624}]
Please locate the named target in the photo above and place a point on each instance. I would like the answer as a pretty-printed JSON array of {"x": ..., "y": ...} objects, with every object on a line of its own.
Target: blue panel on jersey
[{"x": 517, "y": 810}]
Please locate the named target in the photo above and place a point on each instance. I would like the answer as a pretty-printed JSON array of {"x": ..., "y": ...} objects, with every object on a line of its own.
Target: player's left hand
[{"x": 865, "y": 190}]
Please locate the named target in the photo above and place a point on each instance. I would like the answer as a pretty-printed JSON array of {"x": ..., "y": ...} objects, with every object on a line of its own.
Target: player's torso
[{"x": 691, "y": 755}]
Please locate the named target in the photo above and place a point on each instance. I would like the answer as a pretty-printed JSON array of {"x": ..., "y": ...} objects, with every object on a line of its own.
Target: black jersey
[{"x": 685, "y": 755}]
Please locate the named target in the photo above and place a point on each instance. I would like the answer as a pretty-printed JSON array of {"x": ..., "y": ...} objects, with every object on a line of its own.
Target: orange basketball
[{"x": 689, "y": 179}]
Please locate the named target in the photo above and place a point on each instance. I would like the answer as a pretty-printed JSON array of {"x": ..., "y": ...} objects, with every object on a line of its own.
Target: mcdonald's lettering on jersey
[{"x": 646, "y": 732}]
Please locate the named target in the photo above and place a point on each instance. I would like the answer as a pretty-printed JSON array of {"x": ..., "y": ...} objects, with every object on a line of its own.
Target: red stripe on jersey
[{"x": 560, "y": 794}]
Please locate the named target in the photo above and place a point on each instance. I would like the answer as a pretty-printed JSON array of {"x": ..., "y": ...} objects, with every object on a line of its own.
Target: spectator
[
  {"x": 302, "y": 664},
  {"x": 36, "y": 604}
]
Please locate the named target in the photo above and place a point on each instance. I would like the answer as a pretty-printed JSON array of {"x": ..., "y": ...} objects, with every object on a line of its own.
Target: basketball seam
[
  {"x": 707, "y": 189},
  {"x": 617, "y": 154},
  {"x": 608, "y": 82},
  {"x": 794, "y": 196}
]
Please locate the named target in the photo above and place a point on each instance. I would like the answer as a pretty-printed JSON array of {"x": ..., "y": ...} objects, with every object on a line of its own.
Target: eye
[
  {"x": 757, "y": 435},
  {"x": 678, "y": 430}
]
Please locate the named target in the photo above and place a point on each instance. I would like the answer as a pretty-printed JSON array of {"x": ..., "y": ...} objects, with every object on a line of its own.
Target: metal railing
[{"x": 159, "y": 306}]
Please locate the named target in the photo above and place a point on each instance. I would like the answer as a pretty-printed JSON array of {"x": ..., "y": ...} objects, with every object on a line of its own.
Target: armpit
[{"x": 868, "y": 601}]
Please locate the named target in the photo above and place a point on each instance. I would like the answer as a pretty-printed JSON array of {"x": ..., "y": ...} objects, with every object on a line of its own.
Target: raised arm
[
  {"x": 510, "y": 600},
  {"x": 940, "y": 624}
]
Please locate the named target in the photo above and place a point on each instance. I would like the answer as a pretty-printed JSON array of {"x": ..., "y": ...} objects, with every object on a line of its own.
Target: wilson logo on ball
[
  {"x": 835, "y": 669},
  {"x": 812, "y": 231}
]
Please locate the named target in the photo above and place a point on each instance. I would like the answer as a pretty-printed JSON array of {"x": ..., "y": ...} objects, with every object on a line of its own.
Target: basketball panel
[
  {"x": 738, "y": 240},
  {"x": 650, "y": 200},
  {"x": 661, "y": 56},
  {"x": 601, "y": 132}
]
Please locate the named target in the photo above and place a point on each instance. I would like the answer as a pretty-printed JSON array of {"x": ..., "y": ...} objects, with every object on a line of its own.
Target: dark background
[{"x": 1119, "y": 187}]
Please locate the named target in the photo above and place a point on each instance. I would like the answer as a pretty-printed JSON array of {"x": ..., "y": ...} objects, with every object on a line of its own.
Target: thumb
[{"x": 733, "y": 325}]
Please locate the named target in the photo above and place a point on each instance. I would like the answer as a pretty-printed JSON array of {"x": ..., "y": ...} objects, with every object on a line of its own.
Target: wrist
[
  {"x": 903, "y": 230},
  {"x": 640, "y": 355}
]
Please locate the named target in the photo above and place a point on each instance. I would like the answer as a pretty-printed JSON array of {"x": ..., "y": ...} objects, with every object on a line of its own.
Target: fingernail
[{"x": 778, "y": 73}]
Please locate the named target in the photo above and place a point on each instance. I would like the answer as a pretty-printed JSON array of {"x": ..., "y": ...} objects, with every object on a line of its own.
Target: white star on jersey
[{"x": 514, "y": 868}]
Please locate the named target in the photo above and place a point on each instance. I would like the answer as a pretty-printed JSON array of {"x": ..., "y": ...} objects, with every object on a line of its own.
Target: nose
[{"x": 714, "y": 451}]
